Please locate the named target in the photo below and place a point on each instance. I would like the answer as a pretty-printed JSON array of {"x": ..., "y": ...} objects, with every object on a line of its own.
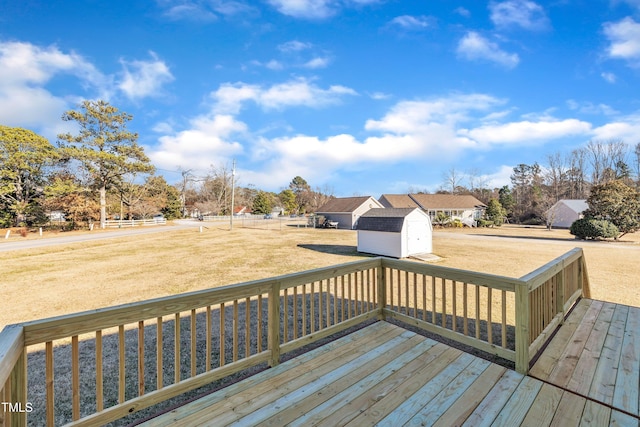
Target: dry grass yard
[{"x": 46, "y": 282}]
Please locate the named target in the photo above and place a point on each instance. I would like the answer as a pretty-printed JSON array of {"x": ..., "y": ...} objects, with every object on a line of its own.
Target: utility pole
[{"x": 233, "y": 193}]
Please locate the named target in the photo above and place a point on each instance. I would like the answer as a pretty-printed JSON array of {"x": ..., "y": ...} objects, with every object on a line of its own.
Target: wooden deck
[
  {"x": 596, "y": 354},
  {"x": 386, "y": 375}
]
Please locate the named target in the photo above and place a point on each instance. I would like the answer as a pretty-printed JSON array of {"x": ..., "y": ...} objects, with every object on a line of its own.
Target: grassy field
[{"x": 47, "y": 282}]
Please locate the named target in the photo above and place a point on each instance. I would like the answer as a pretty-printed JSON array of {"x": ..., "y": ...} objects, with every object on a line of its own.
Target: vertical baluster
[
  {"x": 235, "y": 330},
  {"x": 489, "y": 316},
  {"x": 424, "y": 297},
  {"x": 304, "y": 309},
  {"x": 343, "y": 299},
  {"x": 49, "y": 383},
  {"x": 465, "y": 309},
  {"x": 295, "y": 313},
  {"x": 208, "y": 344},
  {"x": 285, "y": 314},
  {"x": 176, "y": 349},
  {"x": 121, "y": 366},
  {"x": 335, "y": 300},
  {"x": 320, "y": 306},
  {"x": 444, "y": 302},
  {"x": 504, "y": 319},
  {"x": 477, "y": 311},
  {"x": 159, "y": 354},
  {"x": 222, "y": 335},
  {"x": 313, "y": 303},
  {"x": 328, "y": 303},
  {"x": 193, "y": 342},
  {"x": 140, "y": 358},
  {"x": 99, "y": 373},
  {"x": 75, "y": 377},
  {"x": 390, "y": 290},
  {"x": 433, "y": 299},
  {"x": 454, "y": 308},
  {"x": 247, "y": 327},
  {"x": 259, "y": 334}
]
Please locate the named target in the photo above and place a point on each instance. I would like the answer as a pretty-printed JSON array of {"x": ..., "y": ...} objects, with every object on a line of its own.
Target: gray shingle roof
[{"x": 388, "y": 219}]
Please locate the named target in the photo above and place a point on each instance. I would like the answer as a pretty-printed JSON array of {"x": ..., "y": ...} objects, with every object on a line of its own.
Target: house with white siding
[{"x": 347, "y": 210}]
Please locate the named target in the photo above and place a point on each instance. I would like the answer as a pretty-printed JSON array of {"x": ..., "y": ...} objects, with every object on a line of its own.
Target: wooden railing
[{"x": 95, "y": 367}]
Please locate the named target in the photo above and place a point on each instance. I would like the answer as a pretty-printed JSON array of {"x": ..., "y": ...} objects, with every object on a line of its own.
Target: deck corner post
[
  {"x": 382, "y": 290},
  {"x": 522, "y": 327},
  {"x": 274, "y": 324},
  {"x": 560, "y": 292},
  {"x": 19, "y": 391},
  {"x": 583, "y": 276}
]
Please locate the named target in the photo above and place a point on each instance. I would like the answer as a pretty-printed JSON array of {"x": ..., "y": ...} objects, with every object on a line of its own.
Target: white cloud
[
  {"x": 591, "y": 108},
  {"x": 202, "y": 10},
  {"x": 624, "y": 38},
  {"x": 408, "y": 22},
  {"x": 316, "y": 9},
  {"x": 462, "y": 12},
  {"x": 527, "y": 131},
  {"x": 230, "y": 97},
  {"x": 625, "y": 128},
  {"x": 317, "y": 62},
  {"x": 141, "y": 79},
  {"x": 206, "y": 142},
  {"x": 518, "y": 13},
  {"x": 609, "y": 77},
  {"x": 474, "y": 47},
  {"x": 309, "y": 9},
  {"x": 294, "y": 46},
  {"x": 25, "y": 71}
]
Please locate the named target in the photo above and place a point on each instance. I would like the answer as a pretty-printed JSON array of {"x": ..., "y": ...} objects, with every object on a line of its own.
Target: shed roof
[
  {"x": 576, "y": 205},
  {"x": 343, "y": 204},
  {"x": 384, "y": 219}
]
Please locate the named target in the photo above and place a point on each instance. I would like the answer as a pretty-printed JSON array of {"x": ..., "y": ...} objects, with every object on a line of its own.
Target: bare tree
[{"x": 452, "y": 179}]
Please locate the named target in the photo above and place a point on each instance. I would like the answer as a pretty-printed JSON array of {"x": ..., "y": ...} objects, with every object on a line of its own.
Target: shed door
[{"x": 417, "y": 235}]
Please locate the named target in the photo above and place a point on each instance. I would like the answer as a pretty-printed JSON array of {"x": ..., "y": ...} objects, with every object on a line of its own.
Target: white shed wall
[{"x": 380, "y": 243}]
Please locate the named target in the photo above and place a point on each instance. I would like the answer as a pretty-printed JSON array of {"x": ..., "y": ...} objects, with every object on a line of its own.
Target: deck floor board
[
  {"x": 386, "y": 375},
  {"x": 597, "y": 358}
]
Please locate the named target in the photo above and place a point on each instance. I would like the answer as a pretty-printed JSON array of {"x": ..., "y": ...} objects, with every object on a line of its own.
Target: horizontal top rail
[
  {"x": 482, "y": 279},
  {"x": 40, "y": 331},
  {"x": 550, "y": 269}
]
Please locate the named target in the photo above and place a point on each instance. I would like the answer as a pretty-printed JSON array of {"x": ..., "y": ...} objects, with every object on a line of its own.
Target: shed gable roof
[
  {"x": 344, "y": 204},
  {"x": 388, "y": 220},
  {"x": 576, "y": 205}
]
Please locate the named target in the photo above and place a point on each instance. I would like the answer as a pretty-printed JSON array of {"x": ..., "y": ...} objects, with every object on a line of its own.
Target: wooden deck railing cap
[{"x": 11, "y": 348}]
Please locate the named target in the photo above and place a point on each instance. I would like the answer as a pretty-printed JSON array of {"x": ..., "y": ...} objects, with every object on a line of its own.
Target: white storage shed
[
  {"x": 565, "y": 212},
  {"x": 395, "y": 232}
]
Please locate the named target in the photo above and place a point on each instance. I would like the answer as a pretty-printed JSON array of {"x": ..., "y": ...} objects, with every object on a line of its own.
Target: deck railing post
[
  {"x": 382, "y": 290},
  {"x": 19, "y": 392},
  {"x": 522, "y": 327},
  {"x": 274, "y": 324}
]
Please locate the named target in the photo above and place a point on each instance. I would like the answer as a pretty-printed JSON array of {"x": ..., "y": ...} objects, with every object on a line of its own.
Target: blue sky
[{"x": 359, "y": 96}]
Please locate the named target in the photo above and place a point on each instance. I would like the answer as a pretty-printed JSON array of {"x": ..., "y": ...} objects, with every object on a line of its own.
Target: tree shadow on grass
[{"x": 334, "y": 249}]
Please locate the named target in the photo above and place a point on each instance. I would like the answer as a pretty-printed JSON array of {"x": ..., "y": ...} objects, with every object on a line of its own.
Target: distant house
[
  {"x": 466, "y": 208},
  {"x": 347, "y": 210},
  {"x": 565, "y": 212},
  {"x": 242, "y": 210},
  {"x": 395, "y": 232}
]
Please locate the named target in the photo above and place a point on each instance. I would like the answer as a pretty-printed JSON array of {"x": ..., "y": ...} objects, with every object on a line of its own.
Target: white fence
[{"x": 134, "y": 222}]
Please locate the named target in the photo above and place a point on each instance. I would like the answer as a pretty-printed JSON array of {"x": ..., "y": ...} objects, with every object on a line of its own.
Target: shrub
[{"x": 589, "y": 228}]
